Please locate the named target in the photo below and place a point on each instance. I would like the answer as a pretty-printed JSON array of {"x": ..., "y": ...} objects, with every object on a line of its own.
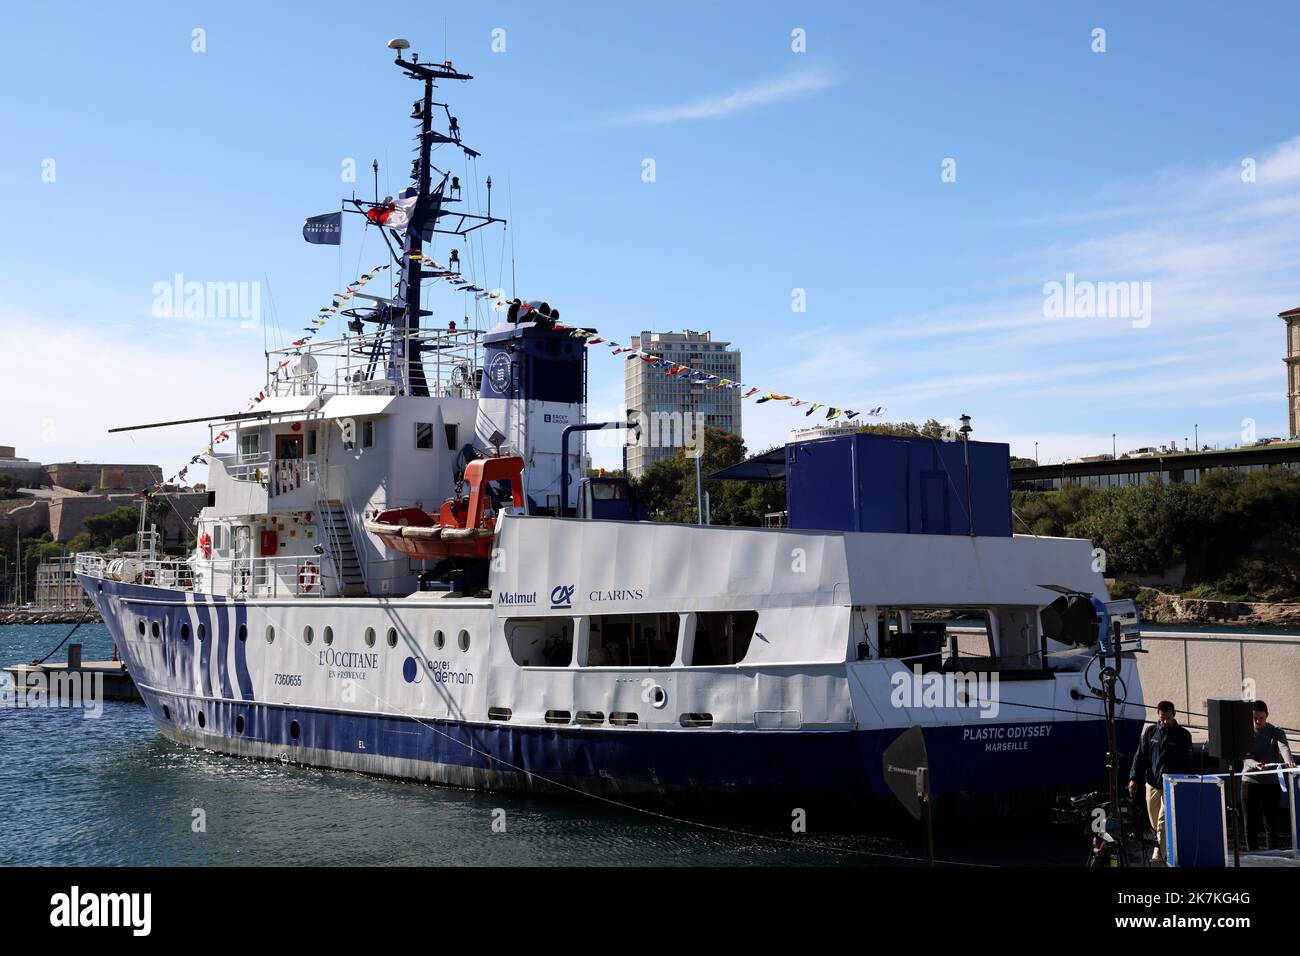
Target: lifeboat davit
[{"x": 463, "y": 527}]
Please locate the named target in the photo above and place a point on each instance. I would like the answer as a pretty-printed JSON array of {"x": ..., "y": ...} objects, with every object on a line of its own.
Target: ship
[{"x": 404, "y": 569}]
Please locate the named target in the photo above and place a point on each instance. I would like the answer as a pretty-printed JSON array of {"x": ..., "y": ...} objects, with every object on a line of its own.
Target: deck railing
[{"x": 232, "y": 576}]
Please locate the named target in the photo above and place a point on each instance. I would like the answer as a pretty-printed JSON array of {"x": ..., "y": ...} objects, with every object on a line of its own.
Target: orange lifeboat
[{"x": 463, "y": 527}]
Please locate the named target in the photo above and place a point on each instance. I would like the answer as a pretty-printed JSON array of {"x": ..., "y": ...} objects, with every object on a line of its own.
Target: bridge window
[
  {"x": 633, "y": 640},
  {"x": 423, "y": 434},
  {"x": 722, "y": 637},
  {"x": 540, "y": 641},
  {"x": 367, "y": 434}
]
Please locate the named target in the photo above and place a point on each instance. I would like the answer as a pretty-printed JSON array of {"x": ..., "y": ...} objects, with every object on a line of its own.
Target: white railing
[
  {"x": 235, "y": 577},
  {"x": 277, "y": 475},
  {"x": 375, "y": 363},
  {"x": 137, "y": 567}
]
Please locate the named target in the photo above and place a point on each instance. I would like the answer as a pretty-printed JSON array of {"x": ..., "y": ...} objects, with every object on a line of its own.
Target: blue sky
[{"x": 775, "y": 171}]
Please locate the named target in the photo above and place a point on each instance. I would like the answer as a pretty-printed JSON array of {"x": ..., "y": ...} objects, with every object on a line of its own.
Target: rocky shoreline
[
  {"x": 1158, "y": 607},
  {"x": 34, "y": 615}
]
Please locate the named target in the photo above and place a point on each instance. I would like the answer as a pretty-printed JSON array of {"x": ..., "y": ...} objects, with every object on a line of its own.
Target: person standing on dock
[
  {"x": 1260, "y": 794},
  {"x": 1166, "y": 747}
]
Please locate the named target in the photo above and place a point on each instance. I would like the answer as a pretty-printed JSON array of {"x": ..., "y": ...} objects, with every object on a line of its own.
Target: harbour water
[{"x": 111, "y": 791}]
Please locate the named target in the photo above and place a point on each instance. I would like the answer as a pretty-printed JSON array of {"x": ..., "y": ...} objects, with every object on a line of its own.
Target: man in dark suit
[
  {"x": 1260, "y": 794},
  {"x": 1165, "y": 747}
]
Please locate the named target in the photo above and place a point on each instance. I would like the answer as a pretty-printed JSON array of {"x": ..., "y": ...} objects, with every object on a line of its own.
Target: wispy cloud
[{"x": 750, "y": 97}]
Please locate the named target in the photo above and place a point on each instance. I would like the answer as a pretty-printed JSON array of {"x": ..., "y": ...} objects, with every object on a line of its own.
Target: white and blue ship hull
[{"x": 419, "y": 704}]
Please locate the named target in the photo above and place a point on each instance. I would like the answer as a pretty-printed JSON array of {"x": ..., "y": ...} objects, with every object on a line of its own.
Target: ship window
[
  {"x": 624, "y": 718},
  {"x": 463, "y": 640},
  {"x": 370, "y": 637},
  {"x": 308, "y": 635},
  {"x": 367, "y": 434},
  {"x": 202, "y": 721},
  {"x": 311, "y": 441},
  {"x": 203, "y": 632},
  {"x": 696, "y": 720},
  {"x": 392, "y": 637},
  {"x": 139, "y": 626},
  {"x": 294, "y": 729},
  {"x": 185, "y": 630},
  {"x": 157, "y": 631},
  {"x": 270, "y": 634},
  {"x": 722, "y": 637},
  {"x": 452, "y": 435},
  {"x": 439, "y": 639},
  {"x": 328, "y": 636},
  {"x": 540, "y": 641},
  {"x": 218, "y": 537},
  {"x": 248, "y": 445},
  {"x": 500, "y": 713},
  {"x": 590, "y": 717},
  {"x": 243, "y": 633},
  {"x": 557, "y": 717},
  {"x": 633, "y": 640},
  {"x": 423, "y": 434},
  {"x": 239, "y": 723}
]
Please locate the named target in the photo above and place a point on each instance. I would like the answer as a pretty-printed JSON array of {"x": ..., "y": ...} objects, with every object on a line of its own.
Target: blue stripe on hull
[{"x": 838, "y": 764}]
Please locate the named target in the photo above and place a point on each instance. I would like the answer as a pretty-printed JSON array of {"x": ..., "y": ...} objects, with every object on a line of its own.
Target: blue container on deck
[{"x": 862, "y": 482}]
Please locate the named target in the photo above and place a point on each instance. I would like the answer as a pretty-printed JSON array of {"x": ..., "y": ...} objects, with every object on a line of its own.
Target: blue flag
[{"x": 324, "y": 230}]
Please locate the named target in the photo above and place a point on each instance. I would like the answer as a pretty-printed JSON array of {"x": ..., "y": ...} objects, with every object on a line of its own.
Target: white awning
[
  {"x": 288, "y": 404},
  {"x": 357, "y": 406}
]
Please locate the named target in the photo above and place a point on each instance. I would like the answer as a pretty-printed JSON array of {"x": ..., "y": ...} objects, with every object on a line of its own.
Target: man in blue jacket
[{"x": 1165, "y": 747}]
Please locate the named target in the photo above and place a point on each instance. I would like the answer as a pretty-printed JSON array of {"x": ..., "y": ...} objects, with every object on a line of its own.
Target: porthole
[
  {"x": 294, "y": 729},
  {"x": 239, "y": 723},
  {"x": 463, "y": 640},
  {"x": 100, "y": 587},
  {"x": 202, "y": 720},
  {"x": 308, "y": 635},
  {"x": 270, "y": 634},
  {"x": 167, "y": 714},
  {"x": 203, "y": 632},
  {"x": 658, "y": 697},
  {"x": 328, "y": 636},
  {"x": 139, "y": 626},
  {"x": 185, "y": 630},
  {"x": 439, "y": 639},
  {"x": 243, "y": 633},
  {"x": 392, "y": 637},
  {"x": 156, "y": 629},
  {"x": 370, "y": 637}
]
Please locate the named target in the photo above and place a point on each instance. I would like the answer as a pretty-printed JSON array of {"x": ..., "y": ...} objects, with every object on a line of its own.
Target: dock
[{"x": 117, "y": 683}]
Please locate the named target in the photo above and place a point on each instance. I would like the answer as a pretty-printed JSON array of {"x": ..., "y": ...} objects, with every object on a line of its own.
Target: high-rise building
[
  {"x": 1292, "y": 319},
  {"x": 671, "y": 405}
]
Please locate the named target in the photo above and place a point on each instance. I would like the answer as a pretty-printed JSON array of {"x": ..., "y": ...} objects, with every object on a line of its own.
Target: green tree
[
  {"x": 109, "y": 527},
  {"x": 667, "y": 489}
]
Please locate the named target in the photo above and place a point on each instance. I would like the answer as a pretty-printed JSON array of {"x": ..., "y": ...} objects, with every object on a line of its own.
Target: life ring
[
  {"x": 205, "y": 545},
  {"x": 308, "y": 575}
]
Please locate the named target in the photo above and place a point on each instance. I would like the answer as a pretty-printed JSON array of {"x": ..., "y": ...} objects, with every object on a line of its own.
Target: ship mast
[{"x": 434, "y": 191}]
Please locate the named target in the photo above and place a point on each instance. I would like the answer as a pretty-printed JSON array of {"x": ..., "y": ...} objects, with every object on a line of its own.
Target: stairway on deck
[{"x": 338, "y": 537}]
